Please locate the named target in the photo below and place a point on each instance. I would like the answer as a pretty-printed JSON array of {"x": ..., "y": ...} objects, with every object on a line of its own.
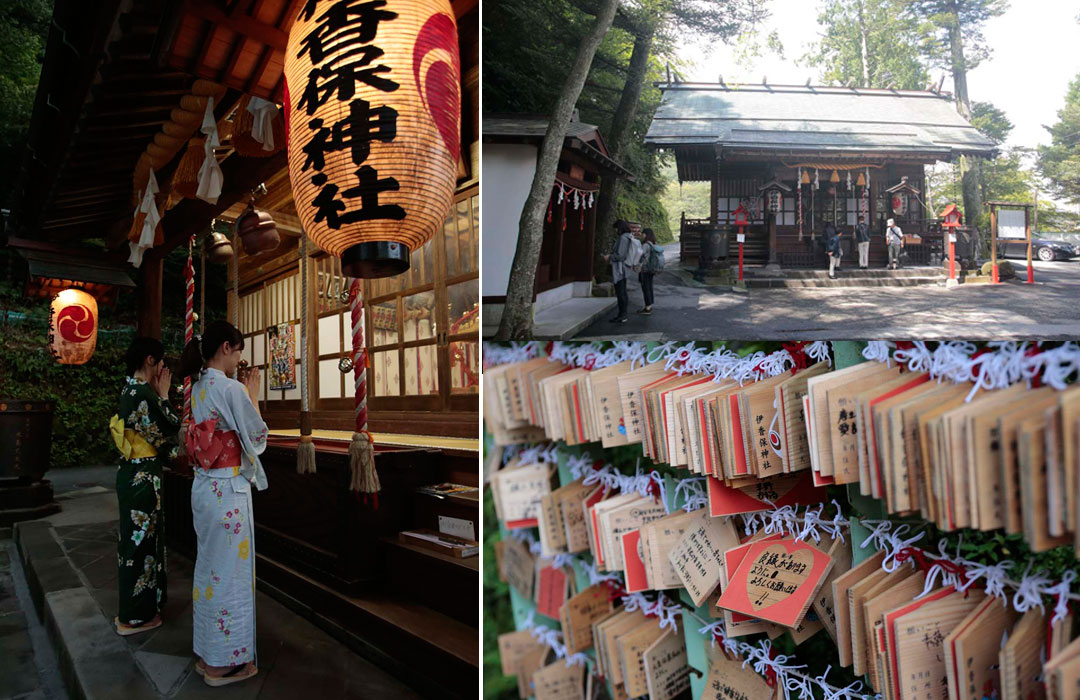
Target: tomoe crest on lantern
[
  {"x": 373, "y": 111},
  {"x": 73, "y": 327}
]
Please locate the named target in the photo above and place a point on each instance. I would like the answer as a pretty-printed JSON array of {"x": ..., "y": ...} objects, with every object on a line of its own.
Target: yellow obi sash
[{"x": 130, "y": 443}]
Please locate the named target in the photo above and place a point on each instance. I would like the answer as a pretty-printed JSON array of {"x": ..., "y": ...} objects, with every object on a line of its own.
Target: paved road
[{"x": 1047, "y": 310}]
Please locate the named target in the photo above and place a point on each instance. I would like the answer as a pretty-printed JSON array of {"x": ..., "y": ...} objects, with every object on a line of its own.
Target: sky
[{"x": 1033, "y": 60}]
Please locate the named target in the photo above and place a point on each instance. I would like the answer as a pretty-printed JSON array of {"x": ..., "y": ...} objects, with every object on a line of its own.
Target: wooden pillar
[
  {"x": 712, "y": 196},
  {"x": 148, "y": 310}
]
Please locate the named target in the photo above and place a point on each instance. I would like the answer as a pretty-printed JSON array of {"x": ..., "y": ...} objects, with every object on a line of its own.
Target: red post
[
  {"x": 952, "y": 256},
  {"x": 742, "y": 236}
]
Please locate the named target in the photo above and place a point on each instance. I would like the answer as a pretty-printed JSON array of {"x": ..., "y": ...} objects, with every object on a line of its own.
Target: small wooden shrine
[{"x": 838, "y": 153}]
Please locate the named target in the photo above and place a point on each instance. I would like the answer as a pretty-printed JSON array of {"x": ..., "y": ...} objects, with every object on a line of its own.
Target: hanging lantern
[
  {"x": 835, "y": 177},
  {"x": 373, "y": 108},
  {"x": 860, "y": 181},
  {"x": 73, "y": 318}
]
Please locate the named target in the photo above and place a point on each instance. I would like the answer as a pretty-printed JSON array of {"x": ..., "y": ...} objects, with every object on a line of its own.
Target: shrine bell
[
  {"x": 73, "y": 321},
  {"x": 372, "y": 116}
]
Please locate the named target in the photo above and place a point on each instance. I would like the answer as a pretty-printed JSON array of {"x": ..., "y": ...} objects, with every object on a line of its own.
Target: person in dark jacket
[
  {"x": 862, "y": 238},
  {"x": 832, "y": 248},
  {"x": 619, "y": 267},
  {"x": 648, "y": 271}
]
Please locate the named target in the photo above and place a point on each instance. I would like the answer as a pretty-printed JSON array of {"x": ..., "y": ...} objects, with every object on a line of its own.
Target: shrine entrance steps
[{"x": 759, "y": 278}]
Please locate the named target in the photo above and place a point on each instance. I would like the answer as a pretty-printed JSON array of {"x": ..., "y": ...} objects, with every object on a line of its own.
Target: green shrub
[{"x": 85, "y": 395}]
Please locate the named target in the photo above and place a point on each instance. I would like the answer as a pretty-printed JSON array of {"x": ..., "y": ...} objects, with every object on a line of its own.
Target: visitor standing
[
  {"x": 894, "y": 238},
  {"x": 144, "y": 426},
  {"x": 862, "y": 239},
  {"x": 652, "y": 262},
  {"x": 832, "y": 248},
  {"x": 619, "y": 257},
  {"x": 225, "y": 438}
]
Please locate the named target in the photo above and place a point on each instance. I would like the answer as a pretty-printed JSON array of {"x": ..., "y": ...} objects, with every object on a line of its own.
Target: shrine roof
[
  {"x": 530, "y": 128},
  {"x": 791, "y": 119}
]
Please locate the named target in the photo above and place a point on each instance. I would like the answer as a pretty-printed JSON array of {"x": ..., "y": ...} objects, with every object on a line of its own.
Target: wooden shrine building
[
  {"x": 115, "y": 76},
  {"x": 564, "y": 270},
  {"x": 847, "y": 150}
]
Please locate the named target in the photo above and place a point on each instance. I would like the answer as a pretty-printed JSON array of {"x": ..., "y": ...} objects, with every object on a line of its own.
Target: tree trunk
[
  {"x": 517, "y": 317},
  {"x": 973, "y": 201},
  {"x": 618, "y": 139},
  {"x": 864, "y": 55}
]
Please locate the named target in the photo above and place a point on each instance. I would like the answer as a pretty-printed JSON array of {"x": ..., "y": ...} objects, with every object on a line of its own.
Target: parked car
[{"x": 1044, "y": 249}]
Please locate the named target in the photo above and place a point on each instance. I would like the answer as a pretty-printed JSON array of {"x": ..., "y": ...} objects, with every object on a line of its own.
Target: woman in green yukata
[{"x": 144, "y": 429}]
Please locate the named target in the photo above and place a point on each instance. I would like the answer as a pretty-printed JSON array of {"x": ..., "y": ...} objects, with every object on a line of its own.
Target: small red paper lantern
[
  {"x": 951, "y": 217},
  {"x": 73, "y": 319},
  {"x": 373, "y": 111}
]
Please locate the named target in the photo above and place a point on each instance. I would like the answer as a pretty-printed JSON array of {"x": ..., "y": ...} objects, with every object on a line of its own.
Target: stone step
[
  {"x": 94, "y": 661},
  {"x": 853, "y": 273},
  {"x": 845, "y": 282}
]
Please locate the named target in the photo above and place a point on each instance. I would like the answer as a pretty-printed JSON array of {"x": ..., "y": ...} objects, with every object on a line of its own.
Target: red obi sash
[{"x": 212, "y": 448}]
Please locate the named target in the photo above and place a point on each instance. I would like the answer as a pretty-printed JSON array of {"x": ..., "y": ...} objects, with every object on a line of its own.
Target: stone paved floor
[
  {"x": 1012, "y": 310},
  {"x": 28, "y": 668},
  {"x": 296, "y": 659}
]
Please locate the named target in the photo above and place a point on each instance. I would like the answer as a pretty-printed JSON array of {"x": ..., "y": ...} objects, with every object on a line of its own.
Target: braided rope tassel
[
  {"x": 305, "y": 451},
  {"x": 365, "y": 479},
  {"x": 189, "y": 320}
]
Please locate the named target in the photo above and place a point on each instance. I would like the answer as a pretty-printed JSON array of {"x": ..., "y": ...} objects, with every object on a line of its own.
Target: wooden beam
[
  {"x": 242, "y": 24},
  {"x": 148, "y": 313},
  {"x": 192, "y": 216}
]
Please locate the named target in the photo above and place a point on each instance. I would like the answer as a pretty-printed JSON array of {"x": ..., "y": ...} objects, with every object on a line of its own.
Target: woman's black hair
[
  {"x": 622, "y": 226},
  {"x": 649, "y": 235},
  {"x": 199, "y": 350},
  {"x": 141, "y": 348}
]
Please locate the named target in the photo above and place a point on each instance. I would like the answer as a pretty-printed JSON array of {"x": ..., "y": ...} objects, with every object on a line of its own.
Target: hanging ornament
[
  {"x": 258, "y": 128},
  {"x": 73, "y": 318},
  {"x": 835, "y": 177},
  {"x": 848, "y": 180},
  {"x": 210, "y": 175},
  {"x": 186, "y": 178},
  {"x": 860, "y": 181},
  {"x": 804, "y": 176},
  {"x": 373, "y": 201},
  {"x": 817, "y": 183}
]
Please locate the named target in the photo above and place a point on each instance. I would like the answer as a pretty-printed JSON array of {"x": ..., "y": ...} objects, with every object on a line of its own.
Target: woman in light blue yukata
[{"x": 225, "y": 438}]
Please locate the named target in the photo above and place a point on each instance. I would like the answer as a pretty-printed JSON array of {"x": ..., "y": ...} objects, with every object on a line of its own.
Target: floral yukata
[
  {"x": 144, "y": 429},
  {"x": 229, "y": 435}
]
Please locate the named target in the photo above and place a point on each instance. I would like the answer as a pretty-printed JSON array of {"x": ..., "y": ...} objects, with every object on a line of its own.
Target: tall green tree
[
  {"x": 24, "y": 26},
  {"x": 1007, "y": 177},
  {"x": 1059, "y": 161},
  {"x": 958, "y": 44},
  {"x": 667, "y": 19},
  {"x": 517, "y": 318},
  {"x": 871, "y": 44}
]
